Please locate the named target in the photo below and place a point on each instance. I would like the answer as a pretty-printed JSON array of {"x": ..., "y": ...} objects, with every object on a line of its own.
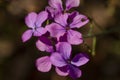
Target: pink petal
[
  {"x": 79, "y": 21},
  {"x": 43, "y": 47},
  {"x": 72, "y": 3},
  {"x": 75, "y": 72},
  {"x": 62, "y": 71},
  {"x": 79, "y": 60},
  {"x": 62, "y": 19},
  {"x": 57, "y": 4},
  {"x": 39, "y": 31},
  {"x": 57, "y": 60},
  {"x": 31, "y": 19},
  {"x": 42, "y": 16},
  {"x": 74, "y": 37},
  {"x": 43, "y": 64},
  {"x": 27, "y": 35},
  {"x": 51, "y": 11},
  {"x": 55, "y": 30},
  {"x": 65, "y": 49}
]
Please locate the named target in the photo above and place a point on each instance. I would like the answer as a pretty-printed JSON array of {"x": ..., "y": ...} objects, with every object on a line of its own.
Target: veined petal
[
  {"x": 39, "y": 31},
  {"x": 62, "y": 19},
  {"x": 55, "y": 30},
  {"x": 79, "y": 60},
  {"x": 57, "y": 60},
  {"x": 72, "y": 3},
  {"x": 79, "y": 21},
  {"x": 65, "y": 49},
  {"x": 72, "y": 16},
  {"x": 57, "y": 4},
  {"x": 42, "y": 16},
  {"x": 43, "y": 64},
  {"x": 31, "y": 19},
  {"x": 62, "y": 71},
  {"x": 74, "y": 72},
  {"x": 74, "y": 37},
  {"x": 44, "y": 47},
  {"x": 27, "y": 35}
]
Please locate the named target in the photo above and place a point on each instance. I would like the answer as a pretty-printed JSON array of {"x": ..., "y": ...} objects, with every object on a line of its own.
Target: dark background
[{"x": 17, "y": 59}]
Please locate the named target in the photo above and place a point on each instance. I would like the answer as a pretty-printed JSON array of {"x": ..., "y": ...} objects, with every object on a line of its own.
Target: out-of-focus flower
[
  {"x": 56, "y": 6},
  {"x": 65, "y": 23},
  {"x": 64, "y": 64},
  {"x": 34, "y": 22}
]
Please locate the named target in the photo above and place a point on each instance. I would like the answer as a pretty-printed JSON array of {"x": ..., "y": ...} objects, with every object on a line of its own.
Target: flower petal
[
  {"x": 79, "y": 21},
  {"x": 43, "y": 64},
  {"x": 63, "y": 38},
  {"x": 39, "y": 31},
  {"x": 51, "y": 11},
  {"x": 62, "y": 19},
  {"x": 72, "y": 3},
  {"x": 62, "y": 71},
  {"x": 74, "y": 72},
  {"x": 72, "y": 15},
  {"x": 79, "y": 60},
  {"x": 27, "y": 35},
  {"x": 57, "y": 60},
  {"x": 74, "y": 37},
  {"x": 42, "y": 16},
  {"x": 57, "y": 4},
  {"x": 44, "y": 47},
  {"x": 31, "y": 19},
  {"x": 45, "y": 40},
  {"x": 55, "y": 30},
  {"x": 65, "y": 49}
]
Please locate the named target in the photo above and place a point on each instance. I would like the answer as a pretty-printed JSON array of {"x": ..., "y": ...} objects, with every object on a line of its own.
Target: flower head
[
  {"x": 57, "y": 4},
  {"x": 65, "y": 23},
  {"x": 56, "y": 7},
  {"x": 34, "y": 22},
  {"x": 64, "y": 64}
]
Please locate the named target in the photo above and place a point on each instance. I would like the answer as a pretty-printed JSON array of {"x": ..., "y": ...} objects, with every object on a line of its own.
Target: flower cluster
[{"x": 55, "y": 29}]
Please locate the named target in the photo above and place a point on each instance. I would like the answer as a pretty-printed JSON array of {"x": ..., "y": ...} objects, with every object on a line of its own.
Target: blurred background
[{"x": 17, "y": 59}]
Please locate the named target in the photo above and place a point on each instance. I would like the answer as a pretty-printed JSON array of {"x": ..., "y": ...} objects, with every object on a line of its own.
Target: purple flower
[
  {"x": 34, "y": 22},
  {"x": 44, "y": 64},
  {"x": 64, "y": 64},
  {"x": 45, "y": 43},
  {"x": 57, "y": 8},
  {"x": 57, "y": 4},
  {"x": 65, "y": 23}
]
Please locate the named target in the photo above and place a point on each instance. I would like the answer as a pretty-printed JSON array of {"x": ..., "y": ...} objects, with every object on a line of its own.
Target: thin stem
[
  {"x": 103, "y": 33},
  {"x": 94, "y": 46},
  {"x": 97, "y": 25}
]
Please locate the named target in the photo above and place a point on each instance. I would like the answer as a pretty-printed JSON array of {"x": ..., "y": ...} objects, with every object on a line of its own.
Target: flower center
[
  {"x": 68, "y": 61},
  {"x": 67, "y": 28}
]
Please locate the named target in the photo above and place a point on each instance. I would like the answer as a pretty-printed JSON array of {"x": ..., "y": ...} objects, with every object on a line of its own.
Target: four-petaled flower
[
  {"x": 65, "y": 23},
  {"x": 56, "y": 6},
  {"x": 64, "y": 64},
  {"x": 34, "y": 22}
]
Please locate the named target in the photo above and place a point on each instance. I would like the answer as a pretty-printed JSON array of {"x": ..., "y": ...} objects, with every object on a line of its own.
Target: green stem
[{"x": 94, "y": 46}]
